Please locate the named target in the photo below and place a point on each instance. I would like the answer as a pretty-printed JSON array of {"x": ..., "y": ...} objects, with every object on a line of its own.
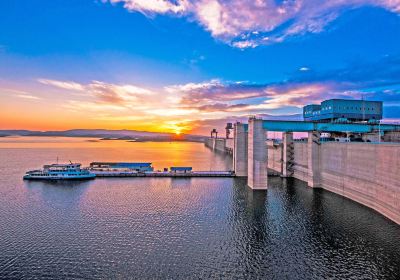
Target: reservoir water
[{"x": 199, "y": 228}]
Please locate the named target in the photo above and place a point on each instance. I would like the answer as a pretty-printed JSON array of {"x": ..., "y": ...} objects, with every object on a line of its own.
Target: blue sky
[{"x": 179, "y": 63}]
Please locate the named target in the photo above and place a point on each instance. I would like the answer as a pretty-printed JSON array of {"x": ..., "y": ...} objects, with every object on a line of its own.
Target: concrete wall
[
  {"x": 229, "y": 143},
  {"x": 366, "y": 173},
  {"x": 274, "y": 156},
  {"x": 300, "y": 167},
  {"x": 220, "y": 144},
  {"x": 209, "y": 143},
  {"x": 216, "y": 144}
]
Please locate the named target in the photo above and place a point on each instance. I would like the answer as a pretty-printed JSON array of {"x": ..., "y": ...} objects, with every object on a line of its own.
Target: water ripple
[{"x": 196, "y": 228}]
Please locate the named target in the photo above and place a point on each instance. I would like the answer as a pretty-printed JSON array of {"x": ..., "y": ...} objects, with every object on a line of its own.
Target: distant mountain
[
  {"x": 106, "y": 134},
  {"x": 15, "y": 132}
]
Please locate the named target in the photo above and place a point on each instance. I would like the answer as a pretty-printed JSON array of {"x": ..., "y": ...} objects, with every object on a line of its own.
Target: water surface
[{"x": 178, "y": 228}]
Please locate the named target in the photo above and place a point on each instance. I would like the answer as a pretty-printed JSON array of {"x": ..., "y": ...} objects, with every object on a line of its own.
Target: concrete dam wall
[
  {"x": 364, "y": 172},
  {"x": 274, "y": 156},
  {"x": 300, "y": 167},
  {"x": 217, "y": 144}
]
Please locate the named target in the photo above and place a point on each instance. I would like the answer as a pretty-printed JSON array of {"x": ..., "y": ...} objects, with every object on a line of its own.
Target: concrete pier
[
  {"x": 287, "y": 154},
  {"x": 314, "y": 159},
  {"x": 257, "y": 177},
  {"x": 240, "y": 150}
]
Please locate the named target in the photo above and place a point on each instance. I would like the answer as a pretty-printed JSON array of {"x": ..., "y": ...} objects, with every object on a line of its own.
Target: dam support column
[
  {"x": 314, "y": 159},
  {"x": 257, "y": 177},
  {"x": 287, "y": 154},
  {"x": 240, "y": 150}
]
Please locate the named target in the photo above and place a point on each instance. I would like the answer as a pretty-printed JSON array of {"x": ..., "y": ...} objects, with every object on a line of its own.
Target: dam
[{"x": 367, "y": 172}]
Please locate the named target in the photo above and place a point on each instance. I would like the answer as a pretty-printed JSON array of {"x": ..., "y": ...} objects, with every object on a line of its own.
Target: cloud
[
  {"x": 26, "y": 96},
  {"x": 192, "y": 104},
  {"x": 150, "y": 7},
  {"x": 120, "y": 94},
  {"x": 108, "y": 101},
  {"x": 378, "y": 80},
  {"x": 375, "y": 80},
  {"x": 20, "y": 93},
  {"x": 250, "y": 23},
  {"x": 245, "y": 44},
  {"x": 216, "y": 96},
  {"x": 216, "y": 90},
  {"x": 62, "y": 84},
  {"x": 104, "y": 92},
  {"x": 222, "y": 107}
]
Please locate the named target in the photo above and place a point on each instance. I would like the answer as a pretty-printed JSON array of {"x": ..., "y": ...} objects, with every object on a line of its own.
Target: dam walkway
[{"x": 167, "y": 174}]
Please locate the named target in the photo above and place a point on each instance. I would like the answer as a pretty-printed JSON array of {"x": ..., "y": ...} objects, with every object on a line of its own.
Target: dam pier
[{"x": 359, "y": 160}]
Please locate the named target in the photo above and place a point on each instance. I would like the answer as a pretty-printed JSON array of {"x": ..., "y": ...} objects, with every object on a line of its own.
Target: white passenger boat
[{"x": 70, "y": 171}]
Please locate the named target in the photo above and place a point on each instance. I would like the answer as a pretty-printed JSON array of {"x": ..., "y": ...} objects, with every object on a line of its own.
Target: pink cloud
[
  {"x": 104, "y": 92},
  {"x": 249, "y": 23},
  {"x": 153, "y": 6},
  {"x": 217, "y": 96}
]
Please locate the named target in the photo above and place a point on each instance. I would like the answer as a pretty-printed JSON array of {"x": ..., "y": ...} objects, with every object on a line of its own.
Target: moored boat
[{"x": 70, "y": 171}]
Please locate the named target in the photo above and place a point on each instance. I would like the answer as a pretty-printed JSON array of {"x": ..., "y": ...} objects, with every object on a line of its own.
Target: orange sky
[{"x": 51, "y": 105}]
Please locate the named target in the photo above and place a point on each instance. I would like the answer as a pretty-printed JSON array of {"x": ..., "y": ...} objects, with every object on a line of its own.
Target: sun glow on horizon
[{"x": 176, "y": 127}]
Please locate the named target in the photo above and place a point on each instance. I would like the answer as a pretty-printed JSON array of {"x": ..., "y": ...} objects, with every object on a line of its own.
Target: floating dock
[{"x": 166, "y": 174}]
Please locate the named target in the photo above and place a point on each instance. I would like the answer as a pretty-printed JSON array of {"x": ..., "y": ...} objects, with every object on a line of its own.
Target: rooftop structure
[
  {"x": 181, "y": 169},
  {"x": 60, "y": 166},
  {"x": 344, "y": 110}
]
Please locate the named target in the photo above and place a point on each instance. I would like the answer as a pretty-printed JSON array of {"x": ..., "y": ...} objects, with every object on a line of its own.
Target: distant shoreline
[
  {"x": 99, "y": 139},
  {"x": 106, "y": 135}
]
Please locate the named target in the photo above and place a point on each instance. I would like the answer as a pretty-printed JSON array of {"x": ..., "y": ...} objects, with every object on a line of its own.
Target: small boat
[{"x": 69, "y": 171}]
